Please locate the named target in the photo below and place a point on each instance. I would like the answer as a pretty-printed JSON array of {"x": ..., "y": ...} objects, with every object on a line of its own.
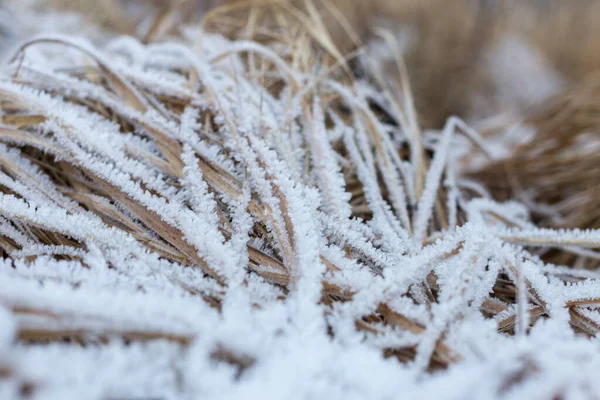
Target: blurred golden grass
[{"x": 559, "y": 169}]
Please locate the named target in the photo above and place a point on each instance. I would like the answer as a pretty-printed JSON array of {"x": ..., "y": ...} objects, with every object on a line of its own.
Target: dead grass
[
  {"x": 558, "y": 169},
  {"x": 551, "y": 167}
]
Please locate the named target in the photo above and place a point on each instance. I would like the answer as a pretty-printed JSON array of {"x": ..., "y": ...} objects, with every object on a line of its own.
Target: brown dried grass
[
  {"x": 557, "y": 175},
  {"x": 558, "y": 169}
]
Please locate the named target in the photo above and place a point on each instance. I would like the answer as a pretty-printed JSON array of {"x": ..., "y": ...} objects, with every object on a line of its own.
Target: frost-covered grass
[{"x": 206, "y": 218}]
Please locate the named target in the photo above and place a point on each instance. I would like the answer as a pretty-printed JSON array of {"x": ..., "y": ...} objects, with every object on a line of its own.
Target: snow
[{"x": 153, "y": 283}]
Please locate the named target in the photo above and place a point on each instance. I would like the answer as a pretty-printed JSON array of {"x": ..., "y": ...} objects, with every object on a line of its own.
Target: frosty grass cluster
[{"x": 197, "y": 227}]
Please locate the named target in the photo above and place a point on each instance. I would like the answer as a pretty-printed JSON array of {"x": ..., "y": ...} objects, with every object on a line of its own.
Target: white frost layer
[{"x": 302, "y": 348}]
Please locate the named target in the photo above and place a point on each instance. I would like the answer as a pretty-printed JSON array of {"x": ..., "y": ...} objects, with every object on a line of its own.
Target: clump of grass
[{"x": 173, "y": 187}]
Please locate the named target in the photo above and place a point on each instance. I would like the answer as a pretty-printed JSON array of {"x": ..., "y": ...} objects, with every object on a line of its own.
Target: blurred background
[{"x": 473, "y": 58}]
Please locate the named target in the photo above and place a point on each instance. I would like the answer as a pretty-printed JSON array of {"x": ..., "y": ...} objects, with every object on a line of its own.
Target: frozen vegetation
[{"x": 203, "y": 218}]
